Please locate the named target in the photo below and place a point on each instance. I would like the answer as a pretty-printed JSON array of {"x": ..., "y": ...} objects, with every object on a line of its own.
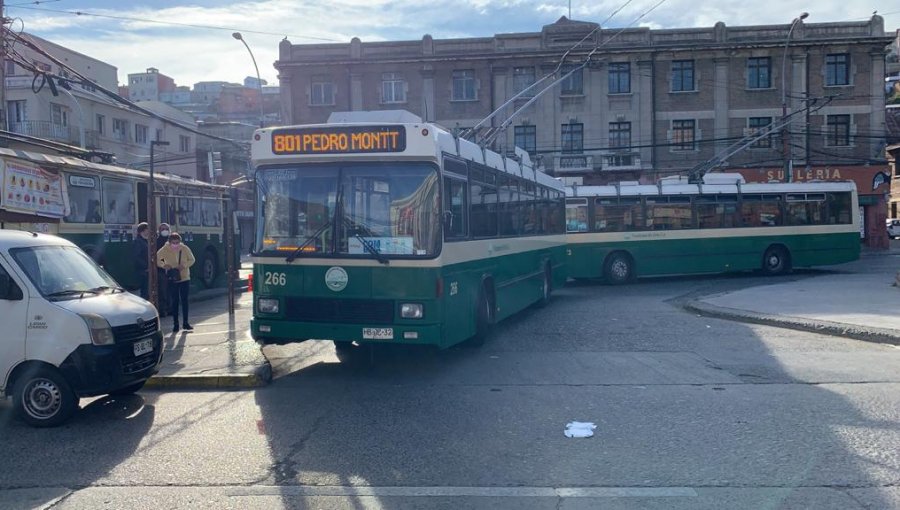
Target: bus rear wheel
[
  {"x": 776, "y": 260},
  {"x": 618, "y": 269},
  {"x": 484, "y": 320}
]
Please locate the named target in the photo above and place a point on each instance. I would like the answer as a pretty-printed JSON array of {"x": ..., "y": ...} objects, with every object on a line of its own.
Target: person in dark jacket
[
  {"x": 141, "y": 258},
  {"x": 162, "y": 284}
]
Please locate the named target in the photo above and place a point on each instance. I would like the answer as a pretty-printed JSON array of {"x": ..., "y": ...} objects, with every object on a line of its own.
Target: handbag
[{"x": 174, "y": 274}]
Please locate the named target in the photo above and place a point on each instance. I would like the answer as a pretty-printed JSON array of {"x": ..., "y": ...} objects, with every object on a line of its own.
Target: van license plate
[
  {"x": 378, "y": 333},
  {"x": 143, "y": 347}
]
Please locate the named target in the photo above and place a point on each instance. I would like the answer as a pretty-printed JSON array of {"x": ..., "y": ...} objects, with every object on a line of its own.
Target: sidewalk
[
  {"x": 857, "y": 300},
  {"x": 219, "y": 353}
]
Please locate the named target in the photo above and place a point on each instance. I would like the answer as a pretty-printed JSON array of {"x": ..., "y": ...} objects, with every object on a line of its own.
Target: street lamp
[
  {"x": 784, "y": 130},
  {"x": 151, "y": 243},
  {"x": 239, "y": 37}
]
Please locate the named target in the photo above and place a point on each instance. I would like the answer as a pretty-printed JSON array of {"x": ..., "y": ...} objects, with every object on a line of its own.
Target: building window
[
  {"x": 838, "y": 131},
  {"x": 620, "y": 78},
  {"x": 464, "y": 85},
  {"x": 523, "y": 77},
  {"x": 59, "y": 115},
  {"x": 393, "y": 88},
  {"x": 683, "y": 135},
  {"x": 101, "y": 124},
  {"x": 572, "y": 138},
  {"x": 120, "y": 129},
  {"x": 184, "y": 143},
  {"x": 16, "y": 111},
  {"x": 141, "y": 133},
  {"x": 573, "y": 85},
  {"x": 158, "y": 135},
  {"x": 837, "y": 69},
  {"x": 526, "y": 138},
  {"x": 619, "y": 135},
  {"x": 759, "y": 73},
  {"x": 756, "y": 124},
  {"x": 321, "y": 93},
  {"x": 682, "y": 75}
]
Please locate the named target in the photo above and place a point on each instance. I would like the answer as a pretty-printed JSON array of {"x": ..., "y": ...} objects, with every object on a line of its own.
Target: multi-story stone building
[{"x": 649, "y": 103}]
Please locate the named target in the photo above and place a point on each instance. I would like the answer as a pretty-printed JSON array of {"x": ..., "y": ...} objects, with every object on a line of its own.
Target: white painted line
[{"x": 503, "y": 492}]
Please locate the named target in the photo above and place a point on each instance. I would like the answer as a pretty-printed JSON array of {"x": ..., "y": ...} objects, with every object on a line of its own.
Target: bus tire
[
  {"x": 546, "y": 287},
  {"x": 209, "y": 268},
  {"x": 484, "y": 318},
  {"x": 776, "y": 260},
  {"x": 42, "y": 397},
  {"x": 619, "y": 268}
]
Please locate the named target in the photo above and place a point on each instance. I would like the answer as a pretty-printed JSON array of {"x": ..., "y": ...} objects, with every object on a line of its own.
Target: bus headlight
[
  {"x": 411, "y": 310},
  {"x": 101, "y": 333},
  {"x": 267, "y": 305}
]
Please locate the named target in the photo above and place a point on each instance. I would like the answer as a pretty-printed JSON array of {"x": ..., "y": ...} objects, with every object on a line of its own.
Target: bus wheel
[
  {"x": 43, "y": 398},
  {"x": 484, "y": 320},
  {"x": 547, "y": 287},
  {"x": 776, "y": 260},
  {"x": 618, "y": 268},
  {"x": 209, "y": 268}
]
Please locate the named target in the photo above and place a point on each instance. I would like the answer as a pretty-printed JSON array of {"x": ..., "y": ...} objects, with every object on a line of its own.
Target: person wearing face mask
[
  {"x": 176, "y": 259},
  {"x": 162, "y": 285}
]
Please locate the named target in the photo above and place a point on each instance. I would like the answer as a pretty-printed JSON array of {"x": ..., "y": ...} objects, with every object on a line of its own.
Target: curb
[
  {"x": 875, "y": 335},
  {"x": 261, "y": 376}
]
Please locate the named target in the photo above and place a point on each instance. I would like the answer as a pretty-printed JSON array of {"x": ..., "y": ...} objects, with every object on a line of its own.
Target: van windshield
[{"x": 63, "y": 272}]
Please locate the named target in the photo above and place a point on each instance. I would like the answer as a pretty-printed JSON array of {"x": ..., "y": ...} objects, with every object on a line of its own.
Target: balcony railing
[
  {"x": 51, "y": 131},
  {"x": 573, "y": 164},
  {"x": 621, "y": 161}
]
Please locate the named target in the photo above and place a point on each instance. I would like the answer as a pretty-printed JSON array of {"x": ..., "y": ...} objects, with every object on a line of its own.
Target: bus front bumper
[{"x": 275, "y": 331}]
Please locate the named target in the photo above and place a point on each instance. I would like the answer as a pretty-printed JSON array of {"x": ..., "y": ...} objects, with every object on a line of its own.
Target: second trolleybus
[
  {"x": 627, "y": 230},
  {"x": 381, "y": 228}
]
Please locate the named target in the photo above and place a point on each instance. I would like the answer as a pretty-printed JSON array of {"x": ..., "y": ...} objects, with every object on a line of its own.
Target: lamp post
[
  {"x": 151, "y": 243},
  {"x": 239, "y": 37},
  {"x": 788, "y": 170}
]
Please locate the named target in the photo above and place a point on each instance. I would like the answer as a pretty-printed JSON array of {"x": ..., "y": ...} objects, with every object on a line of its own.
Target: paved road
[{"x": 691, "y": 413}]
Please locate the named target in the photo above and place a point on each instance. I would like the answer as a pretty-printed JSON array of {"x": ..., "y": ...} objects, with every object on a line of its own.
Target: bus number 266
[{"x": 279, "y": 279}]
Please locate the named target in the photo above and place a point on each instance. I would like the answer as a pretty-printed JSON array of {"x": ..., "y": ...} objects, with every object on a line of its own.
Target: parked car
[
  {"x": 893, "y": 228},
  {"x": 69, "y": 330}
]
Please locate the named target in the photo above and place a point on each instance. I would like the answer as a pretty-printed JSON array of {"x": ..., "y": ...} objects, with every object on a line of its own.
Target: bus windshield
[{"x": 366, "y": 210}]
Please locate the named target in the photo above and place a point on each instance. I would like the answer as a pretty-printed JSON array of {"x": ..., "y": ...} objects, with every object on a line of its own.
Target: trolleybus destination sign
[{"x": 339, "y": 140}]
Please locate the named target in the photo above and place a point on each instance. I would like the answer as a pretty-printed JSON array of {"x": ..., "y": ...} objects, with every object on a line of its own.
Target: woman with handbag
[{"x": 176, "y": 259}]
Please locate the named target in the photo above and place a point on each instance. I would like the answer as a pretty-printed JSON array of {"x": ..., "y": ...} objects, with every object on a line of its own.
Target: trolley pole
[
  {"x": 152, "y": 272},
  {"x": 229, "y": 223}
]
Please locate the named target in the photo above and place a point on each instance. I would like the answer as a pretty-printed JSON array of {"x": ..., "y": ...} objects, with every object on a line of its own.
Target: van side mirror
[{"x": 8, "y": 288}]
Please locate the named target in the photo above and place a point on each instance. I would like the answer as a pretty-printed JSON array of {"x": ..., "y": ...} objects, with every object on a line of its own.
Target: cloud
[{"x": 196, "y": 54}]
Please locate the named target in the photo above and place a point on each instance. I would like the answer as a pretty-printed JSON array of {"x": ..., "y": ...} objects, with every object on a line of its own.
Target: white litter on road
[{"x": 580, "y": 429}]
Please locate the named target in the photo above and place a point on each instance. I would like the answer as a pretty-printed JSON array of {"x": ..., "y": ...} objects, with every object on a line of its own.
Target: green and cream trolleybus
[
  {"x": 377, "y": 227},
  {"x": 626, "y": 230}
]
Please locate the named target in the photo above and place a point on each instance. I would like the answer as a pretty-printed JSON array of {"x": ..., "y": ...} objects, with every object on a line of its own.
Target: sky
[{"x": 123, "y": 35}]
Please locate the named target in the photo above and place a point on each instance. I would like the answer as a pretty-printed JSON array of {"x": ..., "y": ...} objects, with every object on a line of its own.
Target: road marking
[{"x": 505, "y": 492}]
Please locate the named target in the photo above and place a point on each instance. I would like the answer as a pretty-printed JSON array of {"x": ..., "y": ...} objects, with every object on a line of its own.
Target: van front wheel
[{"x": 43, "y": 398}]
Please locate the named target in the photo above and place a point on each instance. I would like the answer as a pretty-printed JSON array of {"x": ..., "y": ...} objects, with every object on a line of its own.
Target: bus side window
[{"x": 455, "y": 208}]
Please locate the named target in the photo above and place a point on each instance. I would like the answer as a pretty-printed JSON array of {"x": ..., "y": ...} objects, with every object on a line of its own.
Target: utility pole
[
  {"x": 152, "y": 272},
  {"x": 3, "y": 113}
]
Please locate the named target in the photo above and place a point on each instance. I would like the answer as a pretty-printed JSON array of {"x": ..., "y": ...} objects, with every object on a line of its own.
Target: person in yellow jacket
[{"x": 176, "y": 260}]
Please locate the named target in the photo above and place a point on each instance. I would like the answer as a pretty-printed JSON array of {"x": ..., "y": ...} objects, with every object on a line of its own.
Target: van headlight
[
  {"x": 267, "y": 305},
  {"x": 411, "y": 310},
  {"x": 101, "y": 333}
]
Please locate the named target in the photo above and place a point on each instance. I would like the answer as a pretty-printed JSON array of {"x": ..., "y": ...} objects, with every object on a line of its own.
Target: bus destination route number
[{"x": 339, "y": 140}]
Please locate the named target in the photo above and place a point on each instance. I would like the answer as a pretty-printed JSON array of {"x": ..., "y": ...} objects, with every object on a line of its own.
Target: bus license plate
[
  {"x": 378, "y": 333},
  {"x": 143, "y": 347}
]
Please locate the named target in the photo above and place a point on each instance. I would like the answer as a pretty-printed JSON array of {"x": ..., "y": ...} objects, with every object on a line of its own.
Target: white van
[{"x": 67, "y": 329}]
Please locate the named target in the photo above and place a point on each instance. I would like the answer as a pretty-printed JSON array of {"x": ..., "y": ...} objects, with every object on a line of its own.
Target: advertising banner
[{"x": 29, "y": 189}]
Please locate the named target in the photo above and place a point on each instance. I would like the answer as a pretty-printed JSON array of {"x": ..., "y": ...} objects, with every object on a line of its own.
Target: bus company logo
[{"x": 336, "y": 278}]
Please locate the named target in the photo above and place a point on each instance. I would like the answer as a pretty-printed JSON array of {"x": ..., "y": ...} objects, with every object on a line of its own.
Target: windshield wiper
[
  {"x": 112, "y": 290},
  {"x": 294, "y": 254},
  {"x": 371, "y": 248},
  {"x": 72, "y": 292}
]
